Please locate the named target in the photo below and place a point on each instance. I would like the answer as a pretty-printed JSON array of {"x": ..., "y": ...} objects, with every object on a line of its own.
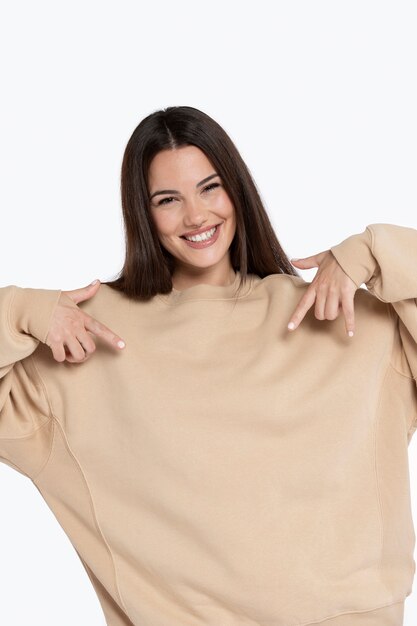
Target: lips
[
  {"x": 199, "y": 231},
  {"x": 205, "y": 242}
]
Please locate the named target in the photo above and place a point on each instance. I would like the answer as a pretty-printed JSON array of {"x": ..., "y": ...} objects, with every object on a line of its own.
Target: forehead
[{"x": 187, "y": 163}]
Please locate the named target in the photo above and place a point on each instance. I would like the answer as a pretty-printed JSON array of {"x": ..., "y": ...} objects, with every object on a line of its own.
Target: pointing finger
[
  {"x": 303, "y": 306},
  {"x": 101, "y": 330},
  {"x": 349, "y": 313}
]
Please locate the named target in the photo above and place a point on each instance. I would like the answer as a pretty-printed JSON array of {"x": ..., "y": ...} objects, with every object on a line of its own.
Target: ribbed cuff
[
  {"x": 32, "y": 309},
  {"x": 354, "y": 255}
]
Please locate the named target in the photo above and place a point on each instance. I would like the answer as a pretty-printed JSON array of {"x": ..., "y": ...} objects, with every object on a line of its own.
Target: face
[{"x": 182, "y": 200}]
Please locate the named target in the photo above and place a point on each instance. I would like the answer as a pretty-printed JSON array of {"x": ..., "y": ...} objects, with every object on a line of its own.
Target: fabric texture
[{"x": 221, "y": 470}]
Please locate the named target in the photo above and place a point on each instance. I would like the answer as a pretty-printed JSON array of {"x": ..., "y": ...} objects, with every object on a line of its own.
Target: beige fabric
[
  {"x": 221, "y": 470},
  {"x": 392, "y": 615}
]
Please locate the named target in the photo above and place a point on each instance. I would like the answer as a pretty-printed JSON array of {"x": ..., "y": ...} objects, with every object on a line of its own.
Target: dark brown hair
[{"x": 148, "y": 266}]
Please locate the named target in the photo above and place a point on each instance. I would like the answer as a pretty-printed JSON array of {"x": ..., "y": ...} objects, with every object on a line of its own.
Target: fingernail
[
  {"x": 291, "y": 326},
  {"x": 121, "y": 344},
  {"x": 94, "y": 281},
  {"x": 350, "y": 333}
]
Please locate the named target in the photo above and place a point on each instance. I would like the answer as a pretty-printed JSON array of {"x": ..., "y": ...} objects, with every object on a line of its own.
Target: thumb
[
  {"x": 84, "y": 293},
  {"x": 306, "y": 263}
]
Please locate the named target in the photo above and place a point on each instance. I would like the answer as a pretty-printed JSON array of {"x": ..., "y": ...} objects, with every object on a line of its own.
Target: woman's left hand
[{"x": 331, "y": 289}]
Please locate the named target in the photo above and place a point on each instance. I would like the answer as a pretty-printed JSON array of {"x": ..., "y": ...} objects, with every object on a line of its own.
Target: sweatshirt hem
[{"x": 392, "y": 610}]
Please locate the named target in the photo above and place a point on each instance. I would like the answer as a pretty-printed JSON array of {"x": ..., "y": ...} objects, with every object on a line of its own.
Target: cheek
[
  {"x": 224, "y": 205},
  {"x": 165, "y": 223}
]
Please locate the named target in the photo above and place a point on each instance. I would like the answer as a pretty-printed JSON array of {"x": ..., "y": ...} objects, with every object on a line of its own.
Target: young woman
[{"x": 240, "y": 458}]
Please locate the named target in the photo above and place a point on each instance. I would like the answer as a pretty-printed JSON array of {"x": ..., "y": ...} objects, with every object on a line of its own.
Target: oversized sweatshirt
[{"x": 221, "y": 470}]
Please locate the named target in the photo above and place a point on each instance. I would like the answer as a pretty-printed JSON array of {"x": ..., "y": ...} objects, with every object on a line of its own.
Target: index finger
[
  {"x": 101, "y": 330},
  {"x": 349, "y": 313},
  {"x": 301, "y": 309}
]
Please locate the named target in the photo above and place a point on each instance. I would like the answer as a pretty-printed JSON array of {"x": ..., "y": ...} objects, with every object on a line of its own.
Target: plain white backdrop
[{"x": 320, "y": 98}]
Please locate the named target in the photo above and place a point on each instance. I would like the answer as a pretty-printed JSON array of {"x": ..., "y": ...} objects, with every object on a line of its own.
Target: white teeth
[{"x": 203, "y": 236}]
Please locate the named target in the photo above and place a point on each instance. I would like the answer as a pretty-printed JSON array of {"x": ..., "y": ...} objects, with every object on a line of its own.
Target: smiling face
[{"x": 187, "y": 194}]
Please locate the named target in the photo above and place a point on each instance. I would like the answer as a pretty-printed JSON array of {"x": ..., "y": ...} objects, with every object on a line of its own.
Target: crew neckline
[{"x": 203, "y": 291}]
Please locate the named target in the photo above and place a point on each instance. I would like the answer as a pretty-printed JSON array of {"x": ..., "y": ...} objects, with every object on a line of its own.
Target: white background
[{"x": 320, "y": 98}]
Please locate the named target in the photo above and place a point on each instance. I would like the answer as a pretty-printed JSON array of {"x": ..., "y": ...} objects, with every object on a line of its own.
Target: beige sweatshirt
[{"x": 222, "y": 470}]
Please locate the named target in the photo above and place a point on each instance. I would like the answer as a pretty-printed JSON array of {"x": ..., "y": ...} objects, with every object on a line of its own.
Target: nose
[{"x": 194, "y": 214}]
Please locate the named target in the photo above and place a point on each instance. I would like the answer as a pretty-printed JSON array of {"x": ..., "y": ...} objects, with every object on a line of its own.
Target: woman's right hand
[{"x": 68, "y": 336}]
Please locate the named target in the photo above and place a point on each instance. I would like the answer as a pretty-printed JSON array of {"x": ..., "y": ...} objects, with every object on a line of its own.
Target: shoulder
[
  {"x": 278, "y": 281},
  {"x": 107, "y": 305},
  {"x": 290, "y": 288}
]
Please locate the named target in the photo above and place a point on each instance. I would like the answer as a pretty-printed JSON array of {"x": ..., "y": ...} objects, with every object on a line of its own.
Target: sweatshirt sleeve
[
  {"x": 384, "y": 257},
  {"x": 25, "y": 316}
]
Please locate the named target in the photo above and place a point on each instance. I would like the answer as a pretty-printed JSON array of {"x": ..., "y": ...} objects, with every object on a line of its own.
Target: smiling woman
[{"x": 180, "y": 228}]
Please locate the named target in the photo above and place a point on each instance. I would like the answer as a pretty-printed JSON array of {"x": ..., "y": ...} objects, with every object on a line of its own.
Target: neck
[{"x": 182, "y": 281}]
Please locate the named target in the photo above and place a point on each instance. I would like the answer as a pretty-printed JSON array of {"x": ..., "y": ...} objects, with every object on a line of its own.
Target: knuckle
[
  {"x": 66, "y": 333},
  {"x": 54, "y": 337},
  {"x": 95, "y": 326},
  {"x": 323, "y": 285}
]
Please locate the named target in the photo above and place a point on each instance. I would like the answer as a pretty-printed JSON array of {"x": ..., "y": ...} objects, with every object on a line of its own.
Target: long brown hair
[{"x": 148, "y": 266}]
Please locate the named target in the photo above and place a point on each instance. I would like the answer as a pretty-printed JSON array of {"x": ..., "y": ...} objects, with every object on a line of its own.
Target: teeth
[{"x": 203, "y": 236}]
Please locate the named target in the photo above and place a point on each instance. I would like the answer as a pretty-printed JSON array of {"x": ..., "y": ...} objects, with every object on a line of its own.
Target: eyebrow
[{"x": 157, "y": 193}]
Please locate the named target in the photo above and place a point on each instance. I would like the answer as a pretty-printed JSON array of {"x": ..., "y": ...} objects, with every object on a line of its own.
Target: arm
[
  {"x": 25, "y": 314},
  {"x": 384, "y": 257}
]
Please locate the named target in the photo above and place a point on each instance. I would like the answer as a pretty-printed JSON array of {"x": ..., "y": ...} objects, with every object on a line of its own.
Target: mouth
[
  {"x": 204, "y": 239},
  {"x": 200, "y": 232}
]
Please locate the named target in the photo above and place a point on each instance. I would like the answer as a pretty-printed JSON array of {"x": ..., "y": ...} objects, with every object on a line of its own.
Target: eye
[
  {"x": 211, "y": 185},
  {"x": 167, "y": 200},
  {"x": 164, "y": 200}
]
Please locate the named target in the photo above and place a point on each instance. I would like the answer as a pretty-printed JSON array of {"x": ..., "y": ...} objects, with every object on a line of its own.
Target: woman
[{"x": 219, "y": 468}]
